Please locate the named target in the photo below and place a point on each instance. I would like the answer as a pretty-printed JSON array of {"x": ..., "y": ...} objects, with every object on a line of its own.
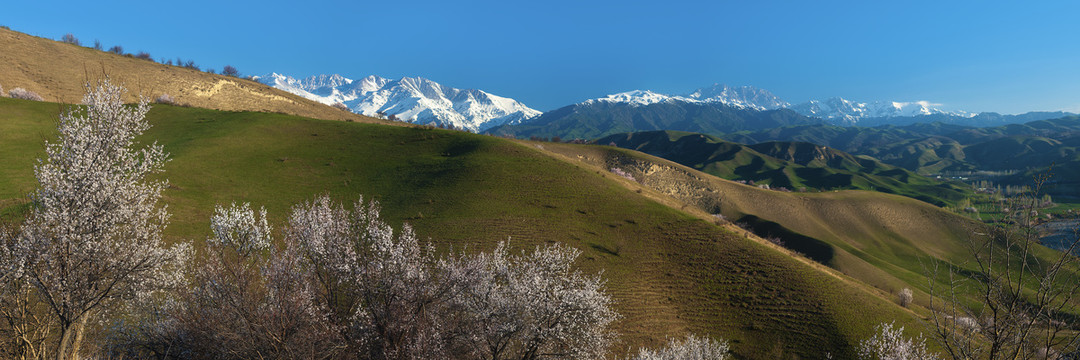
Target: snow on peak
[
  {"x": 849, "y": 112},
  {"x": 411, "y": 99},
  {"x": 835, "y": 109},
  {"x": 743, "y": 97},
  {"x": 747, "y": 97},
  {"x": 637, "y": 97}
]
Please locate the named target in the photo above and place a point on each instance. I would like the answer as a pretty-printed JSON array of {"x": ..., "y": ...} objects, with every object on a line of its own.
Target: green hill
[{"x": 790, "y": 165}]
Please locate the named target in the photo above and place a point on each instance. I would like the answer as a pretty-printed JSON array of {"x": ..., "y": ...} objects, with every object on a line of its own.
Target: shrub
[
  {"x": 623, "y": 173},
  {"x": 144, "y": 56},
  {"x": 691, "y": 348},
  {"x": 20, "y": 93},
  {"x": 905, "y": 296},
  {"x": 889, "y": 343},
  {"x": 118, "y": 50},
  {"x": 165, "y": 99},
  {"x": 97, "y": 45},
  {"x": 230, "y": 70},
  {"x": 341, "y": 106},
  {"x": 70, "y": 39}
]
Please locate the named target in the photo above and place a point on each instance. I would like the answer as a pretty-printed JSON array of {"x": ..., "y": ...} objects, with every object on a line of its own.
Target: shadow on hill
[{"x": 814, "y": 249}]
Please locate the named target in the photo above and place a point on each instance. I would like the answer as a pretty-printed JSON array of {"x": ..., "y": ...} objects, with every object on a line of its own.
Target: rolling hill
[
  {"x": 937, "y": 148},
  {"x": 790, "y": 165}
]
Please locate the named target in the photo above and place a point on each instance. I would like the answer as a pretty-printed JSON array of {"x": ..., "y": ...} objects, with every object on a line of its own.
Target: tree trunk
[{"x": 71, "y": 340}]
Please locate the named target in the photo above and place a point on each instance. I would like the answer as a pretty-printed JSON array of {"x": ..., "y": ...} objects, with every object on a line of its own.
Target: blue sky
[{"x": 1008, "y": 57}]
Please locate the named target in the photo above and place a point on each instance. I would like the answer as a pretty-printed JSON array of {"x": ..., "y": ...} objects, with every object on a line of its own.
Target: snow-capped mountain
[
  {"x": 637, "y": 98},
  {"x": 847, "y": 112},
  {"x": 835, "y": 110},
  {"x": 745, "y": 97},
  {"x": 416, "y": 100},
  {"x": 742, "y": 97}
]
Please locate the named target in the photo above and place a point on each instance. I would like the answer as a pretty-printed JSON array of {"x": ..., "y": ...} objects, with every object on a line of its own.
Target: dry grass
[{"x": 57, "y": 71}]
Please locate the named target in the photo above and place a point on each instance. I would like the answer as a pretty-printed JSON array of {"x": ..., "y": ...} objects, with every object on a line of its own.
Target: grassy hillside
[
  {"x": 886, "y": 241},
  {"x": 57, "y": 71},
  {"x": 791, "y": 165},
  {"x": 670, "y": 271}
]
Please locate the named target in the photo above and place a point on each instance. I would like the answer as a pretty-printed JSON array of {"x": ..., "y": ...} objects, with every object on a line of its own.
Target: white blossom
[
  {"x": 238, "y": 228},
  {"x": 93, "y": 236},
  {"x": 889, "y": 343},
  {"x": 407, "y": 304},
  {"x": 691, "y": 348},
  {"x": 534, "y": 305}
]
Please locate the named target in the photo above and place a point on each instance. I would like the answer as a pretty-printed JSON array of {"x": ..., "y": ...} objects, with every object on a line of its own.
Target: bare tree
[
  {"x": 117, "y": 49},
  {"x": 230, "y": 70},
  {"x": 1025, "y": 296},
  {"x": 70, "y": 39},
  {"x": 93, "y": 236}
]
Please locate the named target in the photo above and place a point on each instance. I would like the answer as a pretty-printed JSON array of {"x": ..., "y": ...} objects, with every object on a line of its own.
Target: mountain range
[
  {"x": 423, "y": 101},
  {"x": 834, "y": 110},
  {"x": 412, "y": 99}
]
